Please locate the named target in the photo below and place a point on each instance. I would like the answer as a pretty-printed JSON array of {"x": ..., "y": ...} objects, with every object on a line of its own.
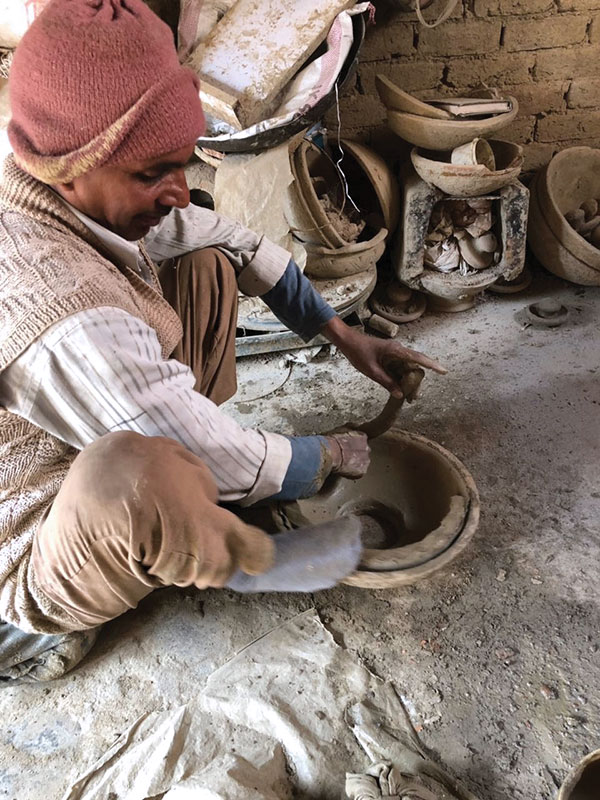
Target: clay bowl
[
  {"x": 466, "y": 180},
  {"x": 383, "y": 188},
  {"x": 341, "y": 262},
  {"x": 572, "y": 177},
  {"x": 446, "y": 134},
  {"x": 394, "y": 98},
  {"x": 418, "y": 504}
]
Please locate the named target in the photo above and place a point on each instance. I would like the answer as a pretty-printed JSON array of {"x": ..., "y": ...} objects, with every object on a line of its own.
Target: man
[{"x": 94, "y": 359}]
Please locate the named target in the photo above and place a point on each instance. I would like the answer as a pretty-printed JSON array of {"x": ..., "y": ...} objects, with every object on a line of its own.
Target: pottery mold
[
  {"x": 396, "y": 99},
  {"x": 419, "y": 506}
]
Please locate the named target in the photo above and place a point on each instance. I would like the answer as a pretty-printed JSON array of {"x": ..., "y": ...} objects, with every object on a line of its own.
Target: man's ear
[{"x": 66, "y": 190}]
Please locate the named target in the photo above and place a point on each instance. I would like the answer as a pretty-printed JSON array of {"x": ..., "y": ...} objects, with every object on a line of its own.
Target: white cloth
[{"x": 101, "y": 370}]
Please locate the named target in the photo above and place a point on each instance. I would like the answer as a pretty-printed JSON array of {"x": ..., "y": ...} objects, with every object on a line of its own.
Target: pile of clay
[{"x": 585, "y": 220}]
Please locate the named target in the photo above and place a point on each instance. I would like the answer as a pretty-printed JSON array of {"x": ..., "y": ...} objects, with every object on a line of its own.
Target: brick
[
  {"x": 456, "y": 38},
  {"x": 502, "y": 70},
  {"x": 560, "y": 30},
  {"x": 562, "y": 63},
  {"x": 494, "y": 8},
  {"x": 362, "y": 135},
  {"x": 535, "y": 98},
  {"x": 595, "y": 30},
  {"x": 520, "y": 131},
  {"x": 576, "y": 143},
  {"x": 573, "y": 127},
  {"x": 410, "y": 76},
  {"x": 578, "y": 5},
  {"x": 431, "y": 13},
  {"x": 537, "y": 156},
  {"x": 383, "y": 41},
  {"x": 355, "y": 109},
  {"x": 584, "y": 93}
]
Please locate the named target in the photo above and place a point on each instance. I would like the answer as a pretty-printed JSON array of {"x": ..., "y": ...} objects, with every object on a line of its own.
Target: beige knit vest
[{"x": 51, "y": 266}]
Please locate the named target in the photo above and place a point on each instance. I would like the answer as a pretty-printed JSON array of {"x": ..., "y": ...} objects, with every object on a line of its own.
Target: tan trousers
[{"x": 135, "y": 513}]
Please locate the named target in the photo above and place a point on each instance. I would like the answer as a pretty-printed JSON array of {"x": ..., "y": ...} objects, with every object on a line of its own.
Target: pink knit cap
[{"x": 97, "y": 82}]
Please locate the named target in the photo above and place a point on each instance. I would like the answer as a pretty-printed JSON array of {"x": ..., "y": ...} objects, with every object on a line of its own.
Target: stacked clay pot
[{"x": 341, "y": 241}]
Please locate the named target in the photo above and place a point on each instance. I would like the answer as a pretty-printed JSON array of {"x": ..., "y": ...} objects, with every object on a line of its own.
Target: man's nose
[{"x": 175, "y": 192}]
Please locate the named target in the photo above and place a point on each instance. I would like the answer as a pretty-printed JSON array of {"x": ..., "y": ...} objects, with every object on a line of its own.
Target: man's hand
[{"x": 371, "y": 355}]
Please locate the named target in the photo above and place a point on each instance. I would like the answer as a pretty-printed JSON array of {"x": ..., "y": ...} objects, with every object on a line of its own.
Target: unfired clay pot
[
  {"x": 446, "y": 134},
  {"x": 571, "y": 178},
  {"x": 383, "y": 181},
  {"x": 583, "y": 783},
  {"x": 308, "y": 161},
  {"x": 419, "y": 507},
  {"x": 340, "y": 262}
]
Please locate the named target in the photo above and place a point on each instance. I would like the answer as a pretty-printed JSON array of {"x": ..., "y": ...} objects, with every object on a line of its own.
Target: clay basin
[
  {"x": 466, "y": 180},
  {"x": 446, "y": 134},
  {"x": 395, "y": 98},
  {"x": 341, "y": 262},
  {"x": 419, "y": 507},
  {"x": 572, "y": 177}
]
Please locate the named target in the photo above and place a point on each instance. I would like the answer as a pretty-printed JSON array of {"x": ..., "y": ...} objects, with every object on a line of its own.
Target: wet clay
[
  {"x": 584, "y": 781},
  {"x": 415, "y": 504},
  {"x": 588, "y": 787},
  {"x": 409, "y": 377}
]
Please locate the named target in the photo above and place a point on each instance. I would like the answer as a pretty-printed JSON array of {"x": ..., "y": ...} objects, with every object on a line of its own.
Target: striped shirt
[{"x": 101, "y": 370}]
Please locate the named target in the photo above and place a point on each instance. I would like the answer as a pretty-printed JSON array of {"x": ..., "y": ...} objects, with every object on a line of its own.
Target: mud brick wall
[{"x": 544, "y": 52}]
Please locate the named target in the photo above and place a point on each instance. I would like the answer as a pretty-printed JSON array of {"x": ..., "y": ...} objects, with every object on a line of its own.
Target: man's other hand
[
  {"x": 371, "y": 355},
  {"x": 350, "y": 453}
]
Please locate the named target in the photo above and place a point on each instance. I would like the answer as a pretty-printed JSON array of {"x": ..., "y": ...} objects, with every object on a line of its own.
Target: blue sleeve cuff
[
  {"x": 297, "y": 304},
  {"x": 305, "y": 473}
]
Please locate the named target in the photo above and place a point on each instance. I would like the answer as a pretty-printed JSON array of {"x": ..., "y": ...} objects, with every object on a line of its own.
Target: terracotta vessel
[
  {"x": 474, "y": 180},
  {"x": 446, "y": 134},
  {"x": 570, "y": 179},
  {"x": 583, "y": 783}
]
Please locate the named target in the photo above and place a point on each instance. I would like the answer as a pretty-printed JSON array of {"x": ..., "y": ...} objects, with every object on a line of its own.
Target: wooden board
[{"x": 259, "y": 45}]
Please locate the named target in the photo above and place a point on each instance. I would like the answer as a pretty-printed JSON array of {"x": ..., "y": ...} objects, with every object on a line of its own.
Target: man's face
[{"x": 131, "y": 198}]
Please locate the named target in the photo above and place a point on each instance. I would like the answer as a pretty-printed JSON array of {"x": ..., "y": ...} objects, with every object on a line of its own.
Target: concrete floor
[{"x": 497, "y": 657}]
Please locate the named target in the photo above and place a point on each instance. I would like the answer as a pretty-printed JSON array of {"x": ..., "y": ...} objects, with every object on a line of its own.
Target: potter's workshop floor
[{"x": 497, "y": 658}]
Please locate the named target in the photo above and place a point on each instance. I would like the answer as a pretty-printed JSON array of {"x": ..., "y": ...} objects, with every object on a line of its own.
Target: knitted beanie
[{"x": 97, "y": 82}]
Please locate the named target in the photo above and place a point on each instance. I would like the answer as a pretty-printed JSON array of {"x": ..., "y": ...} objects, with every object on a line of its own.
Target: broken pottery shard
[
  {"x": 444, "y": 257},
  {"x": 257, "y": 47}
]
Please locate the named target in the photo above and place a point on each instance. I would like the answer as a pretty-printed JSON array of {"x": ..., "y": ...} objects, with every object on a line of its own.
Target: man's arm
[
  {"x": 101, "y": 370},
  {"x": 265, "y": 270}
]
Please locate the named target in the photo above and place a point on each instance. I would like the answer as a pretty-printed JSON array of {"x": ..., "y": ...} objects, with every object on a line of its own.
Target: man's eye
[{"x": 146, "y": 177}]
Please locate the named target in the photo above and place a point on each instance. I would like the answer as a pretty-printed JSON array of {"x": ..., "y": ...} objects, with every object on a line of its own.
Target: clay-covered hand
[
  {"x": 350, "y": 453},
  {"x": 373, "y": 356},
  {"x": 238, "y": 547}
]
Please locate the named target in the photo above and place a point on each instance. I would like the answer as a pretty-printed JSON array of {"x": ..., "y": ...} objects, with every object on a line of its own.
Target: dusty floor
[{"x": 497, "y": 658}]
